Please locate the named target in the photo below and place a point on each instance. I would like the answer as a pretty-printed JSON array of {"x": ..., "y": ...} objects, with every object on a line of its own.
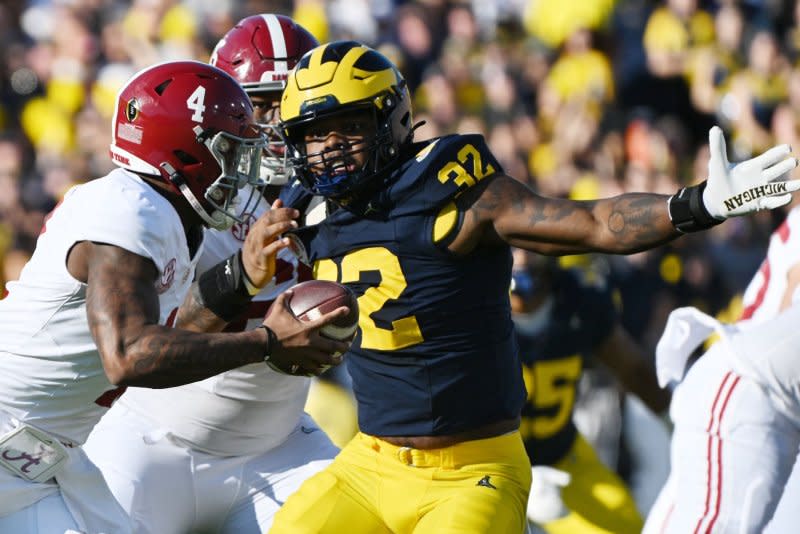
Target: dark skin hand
[
  {"x": 123, "y": 311},
  {"x": 502, "y": 210},
  {"x": 293, "y": 337},
  {"x": 258, "y": 258}
]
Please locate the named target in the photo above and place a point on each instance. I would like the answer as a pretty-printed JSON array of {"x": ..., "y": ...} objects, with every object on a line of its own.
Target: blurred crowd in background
[{"x": 579, "y": 98}]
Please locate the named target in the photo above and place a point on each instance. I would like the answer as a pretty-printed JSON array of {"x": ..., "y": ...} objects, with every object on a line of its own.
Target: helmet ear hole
[
  {"x": 185, "y": 157},
  {"x": 160, "y": 88},
  {"x": 385, "y": 152}
]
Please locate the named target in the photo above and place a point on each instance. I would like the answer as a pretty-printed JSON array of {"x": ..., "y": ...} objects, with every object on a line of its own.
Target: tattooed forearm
[
  {"x": 122, "y": 310},
  {"x": 166, "y": 358},
  {"x": 192, "y": 315},
  {"x": 503, "y": 209},
  {"x": 638, "y": 221}
]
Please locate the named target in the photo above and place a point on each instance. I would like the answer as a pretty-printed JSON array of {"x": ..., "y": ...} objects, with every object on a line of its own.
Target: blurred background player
[
  {"x": 93, "y": 309},
  {"x": 221, "y": 455},
  {"x": 736, "y": 415},
  {"x": 423, "y": 236},
  {"x": 751, "y": 443},
  {"x": 563, "y": 318}
]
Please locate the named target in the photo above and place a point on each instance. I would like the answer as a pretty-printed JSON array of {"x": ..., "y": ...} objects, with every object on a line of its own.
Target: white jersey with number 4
[
  {"x": 51, "y": 375},
  {"x": 219, "y": 455},
  {"x": 243, "y": 411}
]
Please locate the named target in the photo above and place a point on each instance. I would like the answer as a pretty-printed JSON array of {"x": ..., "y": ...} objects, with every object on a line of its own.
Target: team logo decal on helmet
[
  {"x": 338, "y": 78},
  {"x": 132, "y": 110}
]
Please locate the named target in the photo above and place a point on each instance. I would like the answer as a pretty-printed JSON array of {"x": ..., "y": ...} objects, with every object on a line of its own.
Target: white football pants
[
  {"x": 169, "y": 488},
  {"x": 731, "y": 453}
]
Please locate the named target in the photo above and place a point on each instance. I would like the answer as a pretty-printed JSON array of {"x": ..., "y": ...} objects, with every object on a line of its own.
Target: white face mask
[
  {"x": 239, "y": 160},
  {"x": 222, "y": 219},
  {"x": 532, "y": 323}
]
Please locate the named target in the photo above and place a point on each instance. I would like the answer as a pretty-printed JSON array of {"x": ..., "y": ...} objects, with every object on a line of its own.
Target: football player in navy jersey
[
  {"x": 423, "y": 235},
  {"x": 562, "y": 317}
]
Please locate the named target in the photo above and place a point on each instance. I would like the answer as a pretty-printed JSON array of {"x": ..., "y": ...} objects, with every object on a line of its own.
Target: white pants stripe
[
  {"x": 714, "y": 454},
  {"x": 731, "y": 453}
]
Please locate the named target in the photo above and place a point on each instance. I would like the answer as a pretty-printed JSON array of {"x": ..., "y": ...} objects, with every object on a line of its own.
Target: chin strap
[{"x": 217, "y": 221}]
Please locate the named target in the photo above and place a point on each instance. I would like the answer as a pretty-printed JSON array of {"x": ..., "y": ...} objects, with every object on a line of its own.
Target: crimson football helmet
[
  {"x": 259, "y": 52},
  {"x": 191, "y": 124}
]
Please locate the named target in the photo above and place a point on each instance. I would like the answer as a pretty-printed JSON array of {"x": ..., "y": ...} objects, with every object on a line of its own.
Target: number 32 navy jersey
[{"x": 435, "y": 353}]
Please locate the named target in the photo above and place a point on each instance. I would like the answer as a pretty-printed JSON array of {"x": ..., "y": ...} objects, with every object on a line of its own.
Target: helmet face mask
[
  {"x": 190, "y": 125},
  {"x": 259, "y": 52},
  {"x": 240, "y": 163},
  {"x": 336, "y": 82},
  {"x": 275, "y": 168},
  {"x": 341, "y": 171}
]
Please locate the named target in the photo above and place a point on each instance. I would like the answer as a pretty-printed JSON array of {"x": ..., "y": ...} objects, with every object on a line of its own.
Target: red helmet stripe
[{"x": 278, "y": 42}]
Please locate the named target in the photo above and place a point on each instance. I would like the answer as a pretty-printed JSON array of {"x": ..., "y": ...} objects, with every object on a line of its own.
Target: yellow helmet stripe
[
  {"x": 316, "y": 73},
  {"x": 327, "y": 77}
]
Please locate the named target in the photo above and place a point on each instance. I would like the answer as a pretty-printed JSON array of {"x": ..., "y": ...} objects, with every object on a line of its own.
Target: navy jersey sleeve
[
  {"x": 294, "y": 195},
  {"x": 448, "y": 166}
]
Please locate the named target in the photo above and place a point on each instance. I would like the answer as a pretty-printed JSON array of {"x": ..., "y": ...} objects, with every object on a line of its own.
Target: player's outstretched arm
[{"x": 503, "y": 209}]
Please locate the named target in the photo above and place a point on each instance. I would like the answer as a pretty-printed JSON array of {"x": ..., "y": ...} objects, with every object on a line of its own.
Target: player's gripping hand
[
  {"x": 263, "y": 242},
  {"x": 296, "y": 347},
  {"x": 740, "y": 188}
]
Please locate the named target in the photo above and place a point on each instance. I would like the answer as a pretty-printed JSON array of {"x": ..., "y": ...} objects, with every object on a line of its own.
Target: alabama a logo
[{"x": 167, "y": 277}]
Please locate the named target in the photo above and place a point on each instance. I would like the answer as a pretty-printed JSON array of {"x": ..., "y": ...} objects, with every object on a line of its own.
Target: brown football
[{"x": 314, "y": 298}]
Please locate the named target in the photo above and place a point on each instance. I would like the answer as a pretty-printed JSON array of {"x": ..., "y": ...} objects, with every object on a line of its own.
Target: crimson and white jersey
[
  {"x": 767, "y": 365},
  {"x": 243, "y": 411},
  {"x": 737, "y": 410},
  {"x": 764, "y": 293},
  {"x": 51, "y": 375},
  {"x": 765, "y": 353},
  {"x": 736, "y": 416}
]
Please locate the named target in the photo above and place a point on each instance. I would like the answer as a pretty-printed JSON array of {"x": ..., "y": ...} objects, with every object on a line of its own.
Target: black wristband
[
  {"x": 687, "y": 211},
  {"x": 272, "y": 339},
  {"x": 222, "y": 288}
]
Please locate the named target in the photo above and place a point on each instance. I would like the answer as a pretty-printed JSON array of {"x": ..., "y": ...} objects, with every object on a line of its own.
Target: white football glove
[
  {"x": 741, "y": 188},
  {"x": 544, "y": 502}
]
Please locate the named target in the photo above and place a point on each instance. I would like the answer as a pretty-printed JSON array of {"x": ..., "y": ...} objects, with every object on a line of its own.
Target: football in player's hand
[{"x": 314, "y": 298}]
